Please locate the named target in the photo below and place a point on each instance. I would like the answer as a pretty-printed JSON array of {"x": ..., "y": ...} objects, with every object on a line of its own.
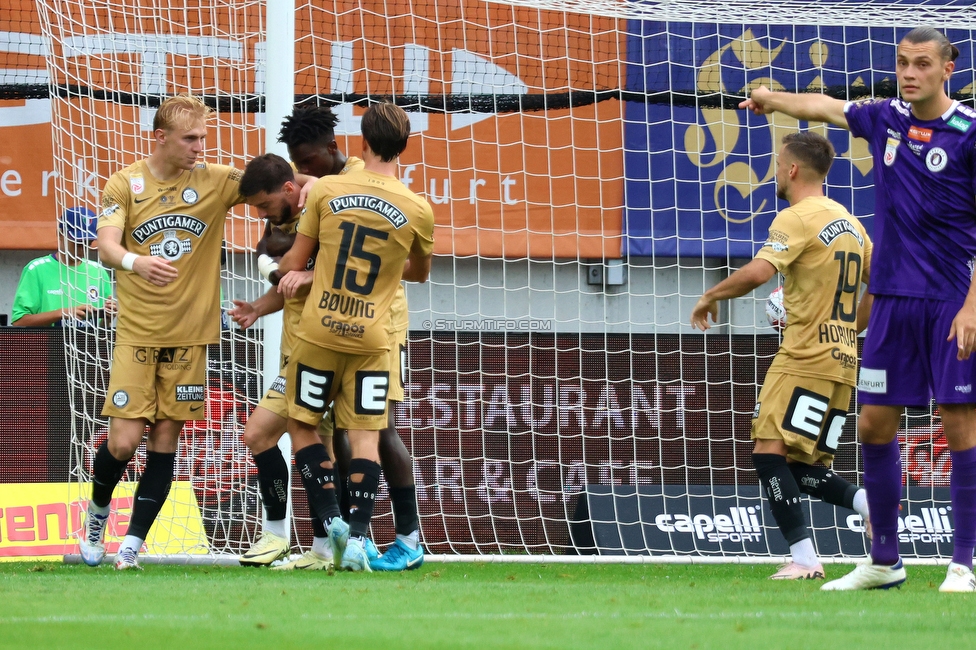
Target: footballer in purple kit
[{"x": 922, "y": 327}]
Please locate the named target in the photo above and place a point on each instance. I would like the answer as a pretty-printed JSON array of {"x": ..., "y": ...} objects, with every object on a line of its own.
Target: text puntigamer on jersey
[{"x": 168, "y": 221}]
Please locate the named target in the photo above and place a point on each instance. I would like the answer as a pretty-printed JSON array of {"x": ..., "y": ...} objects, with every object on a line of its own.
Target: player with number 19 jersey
[
  {"x": 824, "y": 254},
  {"x": 365, "y": 224}
]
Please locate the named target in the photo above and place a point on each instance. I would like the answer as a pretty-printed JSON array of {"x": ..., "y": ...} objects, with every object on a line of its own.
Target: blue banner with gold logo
[{"x": 700, "y": 181}]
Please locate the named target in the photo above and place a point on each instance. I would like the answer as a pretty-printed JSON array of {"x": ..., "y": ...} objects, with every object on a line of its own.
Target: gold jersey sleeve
[
  {"x": 399, "y": 313},
  {"x": 824, "y": 254},
  {"x": 366, "y": 225},
  {"x": 181, "y": 221},
  {"x": 353, "y": 164}
]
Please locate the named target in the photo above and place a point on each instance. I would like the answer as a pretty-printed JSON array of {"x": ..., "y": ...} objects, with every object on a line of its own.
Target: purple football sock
[
  {"x": 882, "y": 480},
  {"x": 962, "y": 488}
]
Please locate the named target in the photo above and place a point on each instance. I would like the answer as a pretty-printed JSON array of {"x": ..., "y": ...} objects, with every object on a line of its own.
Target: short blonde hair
[{"x": 181, "y": 112}]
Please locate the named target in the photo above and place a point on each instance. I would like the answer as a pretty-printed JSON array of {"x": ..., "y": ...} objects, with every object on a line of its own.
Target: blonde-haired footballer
[
  {"x": 371, "y": 232},
  {"x": 161, "y": 228},
  {"x": 825, "y": 255}
]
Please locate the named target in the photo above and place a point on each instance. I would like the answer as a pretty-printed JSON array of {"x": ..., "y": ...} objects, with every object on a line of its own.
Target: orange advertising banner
[
  {"x": 524, "y": 183},
  {"x": 538, "y": 184}
]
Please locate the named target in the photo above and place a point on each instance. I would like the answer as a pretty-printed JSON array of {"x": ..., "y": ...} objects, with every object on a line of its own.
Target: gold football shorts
[
  {"x": 357, "y": 384},
  {"x": 274, "y": 400},
  {"x": 157, "y": 383},
  {"x": 398, "y": 359},
  {"x": 806, "y": 413}
]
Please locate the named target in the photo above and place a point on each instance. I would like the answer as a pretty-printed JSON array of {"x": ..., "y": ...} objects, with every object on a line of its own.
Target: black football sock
[
  {"x": 273, "y": 482},
  {"x": 319, "y": 481},
  {"x": 824, "y": 484},
  {"x": 362, "y": 495},
  {"x": 151, "y": 493},
  {"x": 784, "y": 495},
  {"x": 106, "y": 474},
  {"x": 405, "y": 517},
  {"x": 318, "y": 528}
]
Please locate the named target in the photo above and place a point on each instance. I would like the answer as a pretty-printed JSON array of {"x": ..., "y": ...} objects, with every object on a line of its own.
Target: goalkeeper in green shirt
[{"x": 65, "y": 284}]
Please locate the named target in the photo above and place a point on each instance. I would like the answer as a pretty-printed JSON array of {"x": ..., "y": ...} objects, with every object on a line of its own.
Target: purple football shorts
[{"x": 906, "y": 360}]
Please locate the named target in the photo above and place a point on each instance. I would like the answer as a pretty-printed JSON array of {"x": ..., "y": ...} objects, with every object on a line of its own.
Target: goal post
[
  {"x": 591, "y": 176},
  {"x": 109, "y": 67}
]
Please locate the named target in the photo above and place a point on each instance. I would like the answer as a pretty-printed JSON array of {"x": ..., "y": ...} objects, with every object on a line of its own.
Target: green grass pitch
[{"x": 465, "y": 605}]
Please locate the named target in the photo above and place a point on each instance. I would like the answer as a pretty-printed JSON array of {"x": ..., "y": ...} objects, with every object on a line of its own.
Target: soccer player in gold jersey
[
  {"x": 371, "y": 232},
  {"x": 825, "y": 255},
  {"x": 161, "y": 228},
  {"x": 310, "y": 137},
  {"x": 269, "y": 186}
]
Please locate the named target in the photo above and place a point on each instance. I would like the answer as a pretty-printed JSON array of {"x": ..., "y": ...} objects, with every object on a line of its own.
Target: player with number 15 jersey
[
  {"x": 372, "y": 232},
  {"x": 365, "y": 224}
]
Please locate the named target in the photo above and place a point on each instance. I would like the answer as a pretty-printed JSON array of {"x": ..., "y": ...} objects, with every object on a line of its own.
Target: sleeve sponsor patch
[
  {"x": 778, "y": 236},
  {"x": 776, "y": 246}
]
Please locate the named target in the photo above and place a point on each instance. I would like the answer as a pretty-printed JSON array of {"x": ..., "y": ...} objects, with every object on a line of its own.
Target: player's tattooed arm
[
  {"x": 296, "y": 283},
  {"x": 754, "y": 274}
]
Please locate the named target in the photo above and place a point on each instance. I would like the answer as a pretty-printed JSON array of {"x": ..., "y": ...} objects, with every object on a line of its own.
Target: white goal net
[{"x": 590, "y": 177}]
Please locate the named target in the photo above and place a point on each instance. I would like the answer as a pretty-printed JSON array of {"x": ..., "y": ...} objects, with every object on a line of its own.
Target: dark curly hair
[{"x": 308, "y": 124}]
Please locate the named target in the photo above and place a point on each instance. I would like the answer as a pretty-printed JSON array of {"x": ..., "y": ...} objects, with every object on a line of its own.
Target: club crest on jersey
[
  {"x": 371, "y": 203},
  {"x": 835, "y": 229},
  {"x": 936, "y": 159},
  {"x": 891, "y": 151},
  {"x": 136, "y": 183},
  {"x": 190, "y": 196},
  {"x": 92, "y": 293},
  {"x": 171, "y": 248},
  {"x": 163, "y": 222}
]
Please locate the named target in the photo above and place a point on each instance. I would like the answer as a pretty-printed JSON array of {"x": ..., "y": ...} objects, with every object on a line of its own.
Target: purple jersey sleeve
[{"x": 925, "y": 198}]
